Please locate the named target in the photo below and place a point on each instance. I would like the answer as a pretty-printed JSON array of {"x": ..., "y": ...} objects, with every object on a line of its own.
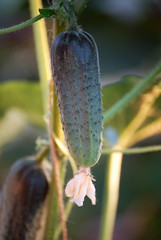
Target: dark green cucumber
[
  {"x": 23, "y": 196},
  {"x": 76, "y": 73}
]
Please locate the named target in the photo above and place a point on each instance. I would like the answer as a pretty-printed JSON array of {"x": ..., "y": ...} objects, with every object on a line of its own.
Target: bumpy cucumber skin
[
  {"x": 76, "y": 73},
  {"x": 23, "y": 196}
]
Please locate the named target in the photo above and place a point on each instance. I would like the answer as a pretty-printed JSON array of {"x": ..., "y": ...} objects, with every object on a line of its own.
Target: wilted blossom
[{"x": 80, "y": 186}]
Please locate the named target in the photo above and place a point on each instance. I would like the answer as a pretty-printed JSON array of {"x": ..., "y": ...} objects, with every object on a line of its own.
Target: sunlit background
[{"x": 128, "y": 35}]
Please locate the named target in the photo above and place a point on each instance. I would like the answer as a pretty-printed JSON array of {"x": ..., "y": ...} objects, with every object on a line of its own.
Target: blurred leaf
[
  {"x": 117, "y": 90},
  {"x": 125, "y": 78},
  {"x": 21, "y": 121},
  {"x": 13, "y": 117},
  {"x": 114, "y": 92},
  {"x": 25, "y": 96},
  {"x": 79, "y": 5}
]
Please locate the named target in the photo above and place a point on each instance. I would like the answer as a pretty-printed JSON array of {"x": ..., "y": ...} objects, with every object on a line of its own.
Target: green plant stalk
[
  {"x": 57, "y": 126},
  {"x": 73, "y": 21},
  {"x": 53, "y": 213},
  {"x": 132, "y": 94},
  {"x": 148, "y": 131},
  {"x": 21, "y": 25},
  {"x": 68, "y": 209},
  {"x": 42, "y": 52},
  {"x": 43, "y": 59},
  {"x": 111, "y": 195},
  {"x": 143, "y": 113},
  {"x": 65, "y": 152},
  {"x": 136, "y": 150},
  {"x": 53, "y": 209},
  {"x": 51, "y": 226},
  {"x": 113, "y": 171},
  {"x": 111, "y": 191},
  {"x": 40, "y": 156}
]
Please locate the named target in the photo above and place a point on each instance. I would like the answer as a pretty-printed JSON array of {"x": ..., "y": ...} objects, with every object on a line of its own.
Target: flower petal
[
  {"x": 91, "y": 192},
  {"x": 82, "y": 194},
  {"x": 69, "y": 190},
  {"x": 78, "y": 180},
  {"x": 80, "y": 186}
]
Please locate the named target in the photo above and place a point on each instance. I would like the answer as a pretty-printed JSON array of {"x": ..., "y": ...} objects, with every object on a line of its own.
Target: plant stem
[
  {"x": 136, "y": 150},
  {"x": 40, "y": 155},
  {"x": 111, "y": 195},
  {"x": 143, "y": 113},
  {"x": 132, "y": 94},
  {"x": 55, "y": 127},
  {"x": 149, "y": 130},
  {"x": 68, "y": 209},
  {"x": 52, "y": 211},
  {"x": 113, "y": 170},
  {"x": 42, "y": 52},
  {"x": 65, "y": 152},
  {"x": 73, "y": 21},
  {"x": 56, "y": 169},
  {"x": 21, "y": 25},
  {"x": 43, "y": 58}
]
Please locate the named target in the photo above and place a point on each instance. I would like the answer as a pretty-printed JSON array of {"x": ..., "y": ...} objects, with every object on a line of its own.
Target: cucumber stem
[{"x": 73, "y": 22}]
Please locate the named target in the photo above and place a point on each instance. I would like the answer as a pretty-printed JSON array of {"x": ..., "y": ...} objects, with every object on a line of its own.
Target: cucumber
[
  {"x": 76, "y": 73},
  {"x": 23, "y": 196}
]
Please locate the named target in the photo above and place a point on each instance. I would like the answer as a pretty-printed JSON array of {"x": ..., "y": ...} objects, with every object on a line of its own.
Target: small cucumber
[
  {"x": 76, "y": 73},
  {"x": 23, "y": 196}
]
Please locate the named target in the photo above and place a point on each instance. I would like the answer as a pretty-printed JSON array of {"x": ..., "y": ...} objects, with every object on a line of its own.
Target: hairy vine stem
[{"x": 21, "y": 25}]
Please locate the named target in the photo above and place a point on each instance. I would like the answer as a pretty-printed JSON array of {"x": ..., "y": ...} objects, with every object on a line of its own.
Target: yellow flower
[{"x": 80, "y": 186}]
